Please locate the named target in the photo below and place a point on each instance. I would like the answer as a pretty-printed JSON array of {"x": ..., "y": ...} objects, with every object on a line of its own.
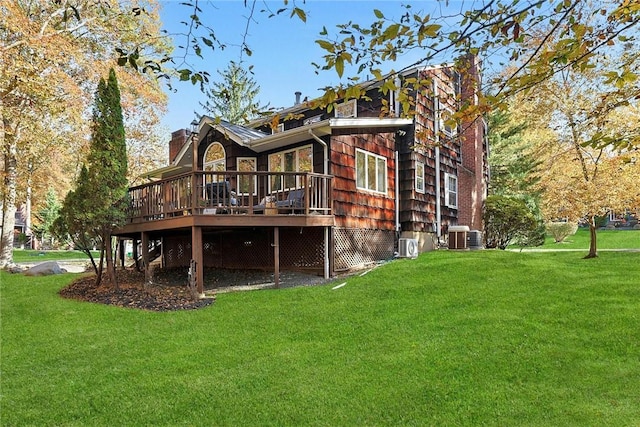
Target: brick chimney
[
  {"x": 178, "y": 139},
  {"x": 473, "y": 173}
]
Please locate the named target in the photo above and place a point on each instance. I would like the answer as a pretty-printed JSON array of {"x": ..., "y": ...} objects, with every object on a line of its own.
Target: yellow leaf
[
  {"x": 328, "y": 46},
  {"x": 300, "y": 13},
  {"x": 339, "y": 66}
]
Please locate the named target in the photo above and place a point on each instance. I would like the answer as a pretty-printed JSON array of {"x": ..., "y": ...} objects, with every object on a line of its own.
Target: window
[
  {"x": 451, "y": 191},
  {"x": 296, "y": 160},
  {"x": 278, "y": 129},
  {"x": 214, "y": 158},
  {"x": 447, "y": 122},
  {"x": 311, "y": 120},
  {"x": 420, "y": 177},
  {"x": 371, "y": 171},
  {"x": 246, "y": 164},
  {"x": 347, "y": 109}
]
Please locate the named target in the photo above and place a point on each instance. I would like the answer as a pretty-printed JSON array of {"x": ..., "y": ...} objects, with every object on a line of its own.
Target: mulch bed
[
  {"x": 171, "y": 294},
  {"x": 169, "y": 289}
]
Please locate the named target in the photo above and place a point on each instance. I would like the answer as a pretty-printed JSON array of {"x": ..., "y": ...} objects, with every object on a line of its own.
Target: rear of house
[{"x": 317, "y": 190}]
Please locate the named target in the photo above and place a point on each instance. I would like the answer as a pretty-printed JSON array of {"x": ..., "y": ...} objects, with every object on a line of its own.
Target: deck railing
[{"x": 232, "y": 193}]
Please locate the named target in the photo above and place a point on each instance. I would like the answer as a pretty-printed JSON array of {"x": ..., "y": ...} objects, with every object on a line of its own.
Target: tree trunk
[
  {"x": 593, "y": 252},
  {"x": 91, "y": 259},
  {"x": 27, "y": 214},
  {"x": 100, "y": 265},
  {"x": 111, "y": 270},
  {"x": 10, "y": 149}
]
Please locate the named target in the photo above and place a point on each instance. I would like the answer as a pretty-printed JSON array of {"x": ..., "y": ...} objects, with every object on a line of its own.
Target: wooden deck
[{"x": 230, "y": 199}]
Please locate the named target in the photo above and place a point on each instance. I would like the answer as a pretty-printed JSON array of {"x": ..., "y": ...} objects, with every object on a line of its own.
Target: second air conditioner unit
[{"x": 408, "y": 248}]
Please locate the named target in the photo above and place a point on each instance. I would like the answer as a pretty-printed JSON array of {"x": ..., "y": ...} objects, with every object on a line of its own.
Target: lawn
[
  {"x": 452, "y": 338},
  {"x": 28, "y": 256},
  {"x": 605, "y": 239}
]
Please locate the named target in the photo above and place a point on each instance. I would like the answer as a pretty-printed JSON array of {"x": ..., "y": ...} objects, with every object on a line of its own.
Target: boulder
[{"x": 45, "y": 269}]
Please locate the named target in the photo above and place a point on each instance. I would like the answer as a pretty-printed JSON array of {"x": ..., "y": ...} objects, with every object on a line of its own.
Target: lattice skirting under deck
[
  {"x": 355, "y": 247},
  {"x": 300, "y": 248}
]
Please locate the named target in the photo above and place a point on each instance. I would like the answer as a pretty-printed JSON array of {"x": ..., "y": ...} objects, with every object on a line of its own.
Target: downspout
[
  {"x": 396, "y": 110},
  {"x": 325, "y": 150},
  {"x": 436, "y": 131},
  {"x": 397, "y": 179}
]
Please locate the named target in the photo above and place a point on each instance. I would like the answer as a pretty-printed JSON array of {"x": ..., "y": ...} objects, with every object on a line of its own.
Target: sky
[{"x": 283, "y": 48}]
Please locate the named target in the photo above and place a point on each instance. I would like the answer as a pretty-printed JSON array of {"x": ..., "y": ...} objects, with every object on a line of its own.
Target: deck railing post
[
  {"x": 307, "y": 193},
  {"x": 194, "y": 193}
]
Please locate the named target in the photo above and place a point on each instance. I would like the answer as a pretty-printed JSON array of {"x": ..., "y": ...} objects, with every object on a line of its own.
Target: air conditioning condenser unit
[{"x": 408, "y": 248}]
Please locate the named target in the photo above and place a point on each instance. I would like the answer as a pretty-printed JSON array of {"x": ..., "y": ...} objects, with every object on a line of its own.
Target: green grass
[
  {"x": 25, "y": 255},
  {"x": 452, "y": 338},
  {"x": 606, "y": 239}
]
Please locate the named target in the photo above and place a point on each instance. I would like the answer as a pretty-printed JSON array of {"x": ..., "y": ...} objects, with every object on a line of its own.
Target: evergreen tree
[
  {"x": 513, "y": 165},
  {"x": 514, "y": 174},
  {"x": 98, "y": 205},
  {"x": 107, "y": 166},
  {"x": 233, "y": 99},
  {"x": 46, "y": 216},
  {"x": 75, "y": 219}
]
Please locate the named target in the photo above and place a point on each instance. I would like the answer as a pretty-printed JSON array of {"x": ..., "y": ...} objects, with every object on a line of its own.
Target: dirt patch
[{"x": 169, "y": 291}]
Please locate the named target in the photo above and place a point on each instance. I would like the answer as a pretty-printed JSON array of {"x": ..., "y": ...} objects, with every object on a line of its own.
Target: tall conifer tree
[
  {"x": 98, "y": 204},
  {"x": 234, "y": 98},
  {"x": 107, "y": 166}
]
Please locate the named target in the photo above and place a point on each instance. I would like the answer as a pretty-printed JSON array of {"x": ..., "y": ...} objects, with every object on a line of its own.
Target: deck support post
[
  {"x": 196, "y": 255},
  {"x": 120, "y": 250},
  {"x": 134, "y": 253},
  {"x": 326, "y": 252},
  {"x": 144, "y": 238},
  {"x": 276, "y": 256}
]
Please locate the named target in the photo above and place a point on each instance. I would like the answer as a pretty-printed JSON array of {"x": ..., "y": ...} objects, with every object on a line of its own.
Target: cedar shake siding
[{"x": 355, "y": 207}]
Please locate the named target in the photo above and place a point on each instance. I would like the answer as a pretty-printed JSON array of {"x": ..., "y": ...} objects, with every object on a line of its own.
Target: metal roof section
[{"x": 240, "y": 134}]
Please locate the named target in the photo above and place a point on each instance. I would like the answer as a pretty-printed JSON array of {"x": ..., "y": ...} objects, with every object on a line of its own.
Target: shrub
[
  {"x": 534, "y": 237},
  {"x": 509, "y": 219},
  {"x": 561, "y": 230}
]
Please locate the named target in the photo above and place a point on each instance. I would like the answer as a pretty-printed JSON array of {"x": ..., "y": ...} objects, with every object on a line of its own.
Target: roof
[
  {"x": 260, "y": 142},
  {"x": 369, "y": 84}
]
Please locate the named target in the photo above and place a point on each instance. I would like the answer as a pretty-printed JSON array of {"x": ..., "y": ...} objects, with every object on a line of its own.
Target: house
[
  {"x": 318, "y": 190},
  {"x": 21, "y": 227}
]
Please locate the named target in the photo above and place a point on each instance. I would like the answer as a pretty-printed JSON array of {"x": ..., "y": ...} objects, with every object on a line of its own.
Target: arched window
[{"x": 214, "y": 158}]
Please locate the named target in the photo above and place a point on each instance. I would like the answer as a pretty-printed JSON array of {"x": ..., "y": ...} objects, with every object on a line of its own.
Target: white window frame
[
  {"x": 346, "y": 109},
  {"x": 449, "y": 193},
  {"x": 255, "y": 178},
  {"x": 380, "y": 187},
  {"x": 447, "y": 130},
  {"x": 420, "y": 177},
  {"x": 213, "y": 166},
  {"x": 297, "y": 166},
  {"x": 278, "y": 129}
]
